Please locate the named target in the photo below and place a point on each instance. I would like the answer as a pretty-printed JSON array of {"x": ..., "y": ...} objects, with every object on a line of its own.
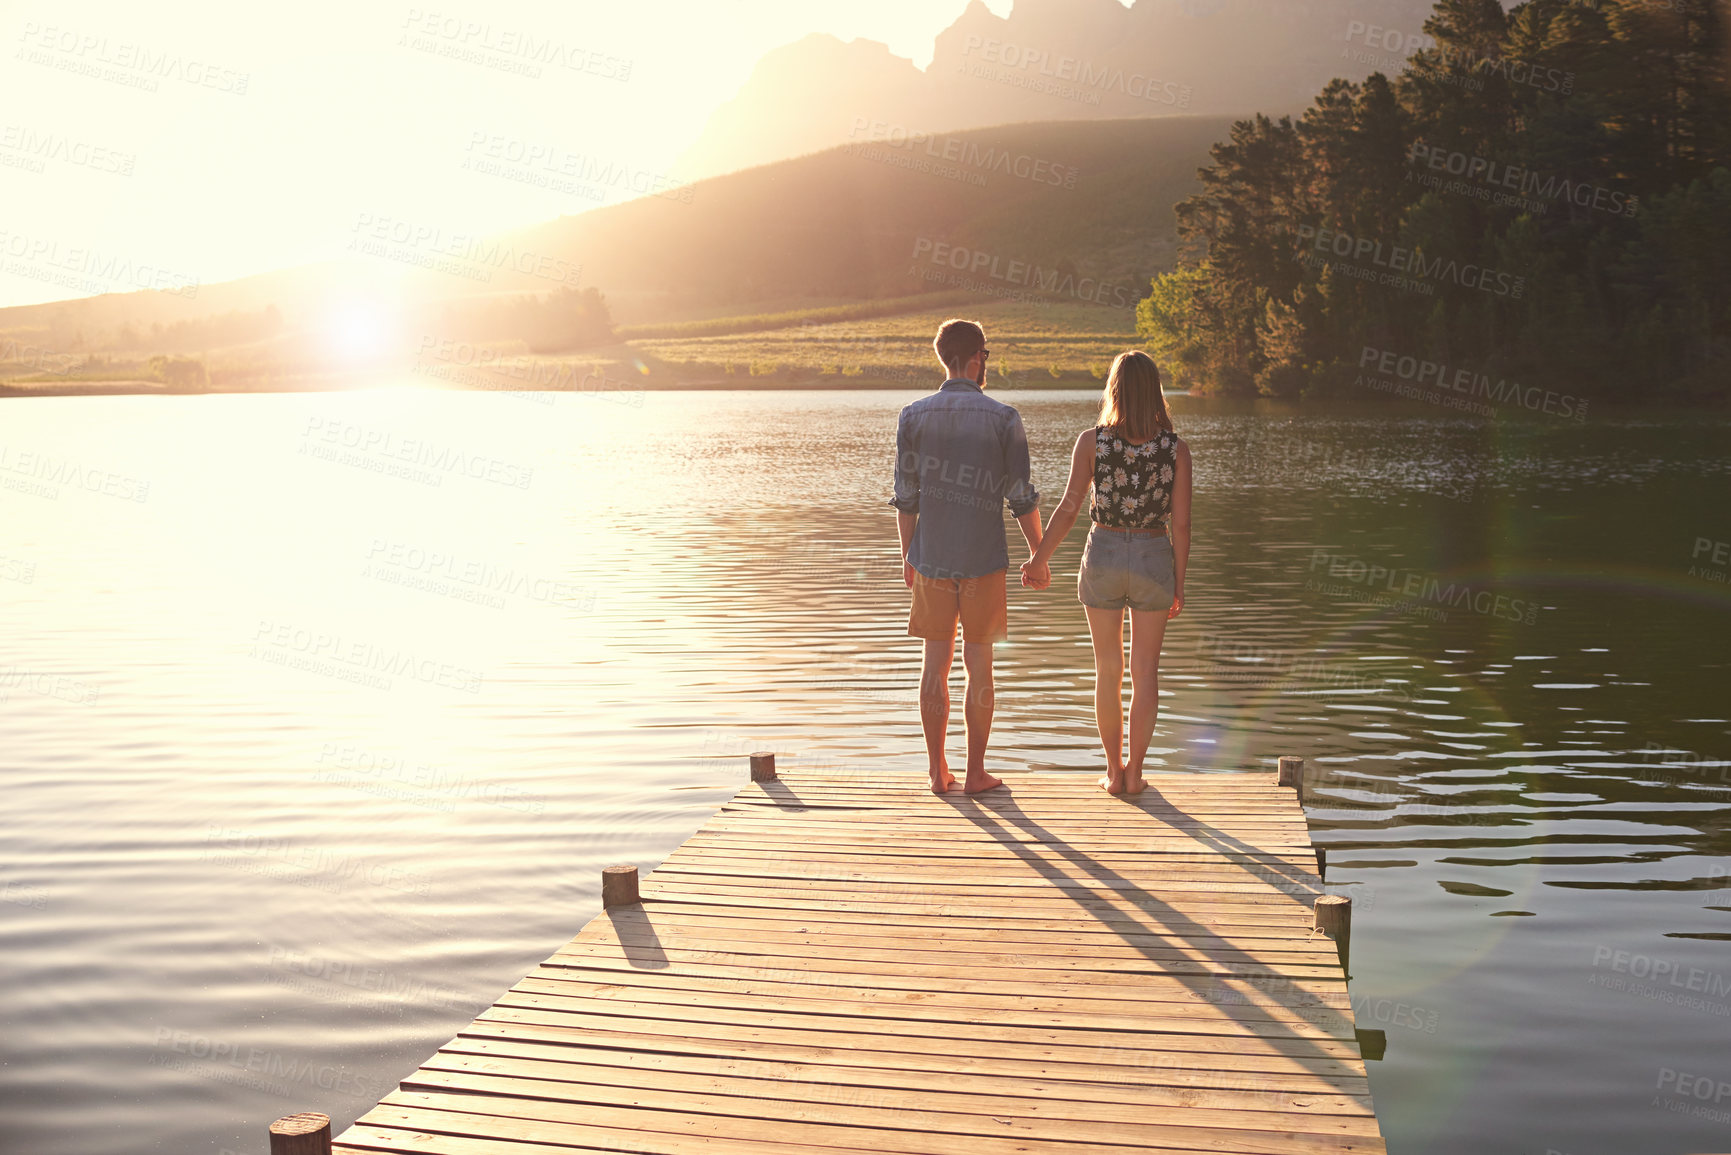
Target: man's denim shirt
[{"x": 959, "y": 457}]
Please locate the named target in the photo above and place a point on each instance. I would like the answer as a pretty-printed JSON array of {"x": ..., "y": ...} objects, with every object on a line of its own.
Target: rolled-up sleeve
[
  {"x": 907, "y": 491},
  {"x": 1021, "y": 494}
]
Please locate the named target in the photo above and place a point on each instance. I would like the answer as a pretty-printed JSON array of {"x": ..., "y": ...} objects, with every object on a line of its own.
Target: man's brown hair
[{"x": 957, "y": 342}]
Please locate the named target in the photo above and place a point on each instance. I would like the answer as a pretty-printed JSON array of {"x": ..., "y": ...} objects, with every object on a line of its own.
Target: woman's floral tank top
[{"x": 1133, "y": 483}]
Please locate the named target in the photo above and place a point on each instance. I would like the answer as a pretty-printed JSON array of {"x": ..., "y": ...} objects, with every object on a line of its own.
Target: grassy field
[{"x": 1033, "y": 346}]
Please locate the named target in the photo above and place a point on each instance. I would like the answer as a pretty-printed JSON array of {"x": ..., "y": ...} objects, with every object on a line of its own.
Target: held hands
[
  {"x": 1036, "y": 574},
  {"x": 1177, "y": 606}
]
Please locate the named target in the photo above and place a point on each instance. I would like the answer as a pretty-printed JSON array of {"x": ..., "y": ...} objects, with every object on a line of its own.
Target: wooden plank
[
  {"x": 1051, "y": 1099},
  {"x": 960, "y": 1014},
  {"x": 956, "y": 883},
  {"x": 852, "y": 1106},
  {"x": 817, "y": 958},
  {"x": 1081, "y": 927},
  {"x": 916, "y": 947},
  {"x": 901, "y": 1033},
  {"x": 1079, "y": 911},
  {"x": 541, "y": 1120},
  {"x": 686, "y": 921}
]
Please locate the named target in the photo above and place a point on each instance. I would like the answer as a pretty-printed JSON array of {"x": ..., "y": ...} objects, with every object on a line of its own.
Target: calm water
[{"x": 310, "y": 752}]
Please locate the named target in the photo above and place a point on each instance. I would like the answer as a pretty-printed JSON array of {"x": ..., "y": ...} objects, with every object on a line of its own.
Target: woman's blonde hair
[{"x": 1133, "y": 405}]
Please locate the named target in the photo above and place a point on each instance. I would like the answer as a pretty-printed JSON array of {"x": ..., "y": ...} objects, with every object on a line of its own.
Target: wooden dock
[{"x": 848, "y": 963}]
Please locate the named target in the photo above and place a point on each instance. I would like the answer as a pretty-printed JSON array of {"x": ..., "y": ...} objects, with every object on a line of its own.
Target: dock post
[
  {"x": 1322, "y": 862},
  {"x": 619, "y": 887},
  {"x": 1334, "y": 918},
  {"x": 763, "y": 767},
  {"x": 1291, "y": 773},
  {"x": 307, "y": 1133}
]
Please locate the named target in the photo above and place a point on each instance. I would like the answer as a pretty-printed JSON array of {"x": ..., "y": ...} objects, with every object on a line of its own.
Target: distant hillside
[
  {"x": 1091, "y": 200},
  {"x": 1058, "y": 60}
]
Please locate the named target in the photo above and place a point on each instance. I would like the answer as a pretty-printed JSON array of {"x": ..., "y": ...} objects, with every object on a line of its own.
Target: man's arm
[
  {"x": 1030, "y": 523},
  {"x": 905, "y": 523},
  {"x": 1023, "y": 498},
  {"x": 907, "y": 493}
]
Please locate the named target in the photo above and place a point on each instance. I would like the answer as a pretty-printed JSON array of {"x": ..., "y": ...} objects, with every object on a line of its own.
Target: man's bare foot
[
  {"x": 1113, "y": 783},
  {"x": 942, "y": 781},
  {"x": 979, "y": 782}
]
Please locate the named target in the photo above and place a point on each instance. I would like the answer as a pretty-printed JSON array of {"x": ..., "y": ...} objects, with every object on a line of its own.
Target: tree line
[{"x": 1539, "y": 194}]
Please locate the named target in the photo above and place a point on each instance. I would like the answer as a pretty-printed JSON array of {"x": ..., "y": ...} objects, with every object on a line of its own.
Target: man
[{"x": 959, "y": 457}]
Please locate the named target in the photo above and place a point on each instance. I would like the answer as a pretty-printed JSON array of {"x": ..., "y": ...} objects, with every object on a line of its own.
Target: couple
[{"x": 960, "y": 456}]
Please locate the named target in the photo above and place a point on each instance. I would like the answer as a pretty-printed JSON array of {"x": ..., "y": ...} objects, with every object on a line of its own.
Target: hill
[
  {"x": 1031, "y": 205},
  {"x": 1061, "y": 60}
]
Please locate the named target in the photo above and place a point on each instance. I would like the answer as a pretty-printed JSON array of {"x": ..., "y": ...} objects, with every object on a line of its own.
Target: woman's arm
[
  {"x": 1180, "y": 527},
  {"x": 1075, "y": 494}
]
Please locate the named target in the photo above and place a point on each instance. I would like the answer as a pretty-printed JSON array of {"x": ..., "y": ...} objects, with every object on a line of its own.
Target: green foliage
[
  {"x": 178, "y": 372},
  {"x": 1610, "y": 265}
]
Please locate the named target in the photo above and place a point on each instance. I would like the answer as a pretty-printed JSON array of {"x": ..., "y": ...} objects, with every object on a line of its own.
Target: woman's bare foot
[
  {"x": 978, "y": 782},
  {"x": 1113, "y": 783},
  {"x": 942, "y": 781},
  {"x": 1133, "y": 783}
]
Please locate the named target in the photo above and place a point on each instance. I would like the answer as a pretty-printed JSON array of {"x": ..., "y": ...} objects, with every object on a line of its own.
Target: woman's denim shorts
[{"x": 1126, "y": 569}]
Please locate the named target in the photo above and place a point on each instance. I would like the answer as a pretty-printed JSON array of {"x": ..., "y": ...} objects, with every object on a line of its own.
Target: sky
[{"x": 199, "y": 142}]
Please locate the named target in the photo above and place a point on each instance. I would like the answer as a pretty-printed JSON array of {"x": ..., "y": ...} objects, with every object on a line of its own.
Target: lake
[{"x": 321, "y": 714}]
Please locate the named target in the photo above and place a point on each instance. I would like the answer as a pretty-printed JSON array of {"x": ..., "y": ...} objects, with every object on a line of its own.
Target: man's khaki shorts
[{"x": 981, "y": 604}]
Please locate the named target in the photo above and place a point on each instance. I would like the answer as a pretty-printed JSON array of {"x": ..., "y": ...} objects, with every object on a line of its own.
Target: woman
[{"x": 1138, "y": 548}]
